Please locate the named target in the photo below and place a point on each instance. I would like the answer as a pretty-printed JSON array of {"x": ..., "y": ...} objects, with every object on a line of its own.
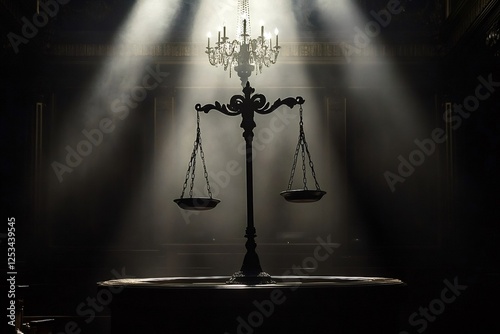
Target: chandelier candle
[{"x": 243, "y": 54}]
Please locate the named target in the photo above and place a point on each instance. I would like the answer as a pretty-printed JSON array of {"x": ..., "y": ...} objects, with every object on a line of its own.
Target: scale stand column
[
  {"x": 247, "y": 105},
  {"x": 251, "y": 271}
]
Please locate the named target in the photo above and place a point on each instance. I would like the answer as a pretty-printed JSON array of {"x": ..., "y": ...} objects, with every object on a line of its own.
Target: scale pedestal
[
  {"x": 251, "y": 272},
  {"x": 294, "y": 304}
]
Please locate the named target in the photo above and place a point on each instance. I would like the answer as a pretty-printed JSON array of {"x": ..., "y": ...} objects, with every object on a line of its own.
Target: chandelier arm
[
  {"x": 231, "y": 47},
  {"x": 229, "y": 55},
  {"x": 213, "y": 56},
  {"x": 275, "y": 55}
]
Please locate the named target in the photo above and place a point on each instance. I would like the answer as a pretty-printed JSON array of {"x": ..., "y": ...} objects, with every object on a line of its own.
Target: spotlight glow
[
  {"x": 149, "y": 22},
  {"x": 275, "y": 136}
]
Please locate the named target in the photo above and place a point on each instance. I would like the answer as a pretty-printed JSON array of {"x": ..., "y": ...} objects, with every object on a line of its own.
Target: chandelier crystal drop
[{"x": 244, "y": 54}]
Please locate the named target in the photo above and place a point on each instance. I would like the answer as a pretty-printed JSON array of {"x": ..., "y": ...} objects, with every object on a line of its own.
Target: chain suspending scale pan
[
  {"x": 246, "y": 106},
  {"x": 304, "y": 195},
  {"x": 196, "y": 203}
]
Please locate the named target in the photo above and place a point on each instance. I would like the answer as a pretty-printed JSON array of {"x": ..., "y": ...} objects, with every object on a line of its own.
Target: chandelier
[{"x": 244, "y": 54}]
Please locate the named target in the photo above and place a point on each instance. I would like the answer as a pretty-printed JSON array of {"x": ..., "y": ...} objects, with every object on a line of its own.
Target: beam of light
[
  {"x": 387, "y": 108},
  {"x": 148, "y": 23},
  {"x": 284, "y": 221},
  {"x": 275, "y": 139},
  {"x": 402, "y": 106}
]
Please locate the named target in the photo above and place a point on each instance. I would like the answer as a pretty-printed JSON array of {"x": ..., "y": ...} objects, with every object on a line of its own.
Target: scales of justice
[
  {"x": 246, "y": 106},
  {"x": 246, "y": 55},
  {"x": 360, "y": 304}
]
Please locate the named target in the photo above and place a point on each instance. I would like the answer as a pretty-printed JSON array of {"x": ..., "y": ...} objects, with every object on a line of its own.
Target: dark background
[{"x": 441, "y": 223}]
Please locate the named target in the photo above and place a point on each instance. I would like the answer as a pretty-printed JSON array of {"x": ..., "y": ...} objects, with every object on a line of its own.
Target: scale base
[{"x": 240, "y": 277}]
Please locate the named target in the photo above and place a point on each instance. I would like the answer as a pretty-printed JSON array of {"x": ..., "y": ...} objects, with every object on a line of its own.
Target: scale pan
[
  {"x": 197, "y": 203},
  {"x": 302, "y": 196}
]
